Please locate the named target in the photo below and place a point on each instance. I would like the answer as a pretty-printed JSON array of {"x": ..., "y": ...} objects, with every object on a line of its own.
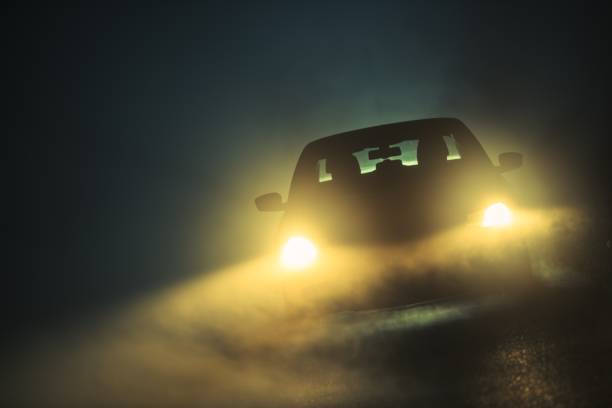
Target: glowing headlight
[
  {"x": 298, "y": 252},
  {"x": 497, "y": 215}
]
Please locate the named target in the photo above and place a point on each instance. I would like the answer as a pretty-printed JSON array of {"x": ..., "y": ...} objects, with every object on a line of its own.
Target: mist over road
[{"x": 225, "y": 339}]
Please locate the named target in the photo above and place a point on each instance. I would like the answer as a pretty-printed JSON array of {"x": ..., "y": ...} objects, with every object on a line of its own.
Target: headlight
[
  {"x": 496, "y": 216},
  {"x": 298, "y": 252}
]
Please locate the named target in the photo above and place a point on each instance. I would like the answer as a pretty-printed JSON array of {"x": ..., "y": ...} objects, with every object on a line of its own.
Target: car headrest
[
  {"x": 389, "y": 166},
  {"x": 432, "y": 151},
  {"x": 343, "y": 167}
]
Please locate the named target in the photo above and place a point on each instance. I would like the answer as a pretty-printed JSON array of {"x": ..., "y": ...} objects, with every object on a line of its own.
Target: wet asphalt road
[{"x": 551, "y": 349}]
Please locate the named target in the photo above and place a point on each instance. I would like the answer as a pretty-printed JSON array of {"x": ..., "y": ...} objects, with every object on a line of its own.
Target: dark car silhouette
[{"x": 397, "y": 184}]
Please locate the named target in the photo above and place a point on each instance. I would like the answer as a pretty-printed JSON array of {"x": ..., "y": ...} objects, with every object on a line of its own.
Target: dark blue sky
[{"x": 143, "y": 133}]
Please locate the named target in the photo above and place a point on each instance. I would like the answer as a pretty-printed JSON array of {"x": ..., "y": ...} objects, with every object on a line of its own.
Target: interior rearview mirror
[
  {"x": 270, "y": 202},
  {"x": 384, "y": 153},
  {"x": 509, "y": 161}
]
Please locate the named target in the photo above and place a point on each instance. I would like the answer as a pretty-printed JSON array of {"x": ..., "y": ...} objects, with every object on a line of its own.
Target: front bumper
[{"x": 470, "y": 261}]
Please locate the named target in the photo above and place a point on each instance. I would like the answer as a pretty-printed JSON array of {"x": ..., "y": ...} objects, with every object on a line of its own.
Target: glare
[
  {"x": 497, "y": 215},
  {"x": 298, "y": 252}
]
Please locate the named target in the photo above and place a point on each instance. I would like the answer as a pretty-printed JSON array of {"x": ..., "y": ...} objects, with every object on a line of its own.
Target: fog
[
  {"x": 230, "y": 338},
  {"x": 145, "y": 276}
]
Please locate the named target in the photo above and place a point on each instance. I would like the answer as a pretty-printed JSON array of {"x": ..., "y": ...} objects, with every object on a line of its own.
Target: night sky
[{"x": 143, "y": 133}]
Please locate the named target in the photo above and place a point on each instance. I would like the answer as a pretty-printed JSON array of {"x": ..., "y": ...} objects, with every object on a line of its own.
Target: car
[{"x": 422, "y": 192}]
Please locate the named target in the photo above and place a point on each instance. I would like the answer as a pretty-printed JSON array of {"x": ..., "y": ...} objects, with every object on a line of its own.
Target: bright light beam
[
  {"x": 496, "y": 216},
  {"x": 298, "y": 253}
]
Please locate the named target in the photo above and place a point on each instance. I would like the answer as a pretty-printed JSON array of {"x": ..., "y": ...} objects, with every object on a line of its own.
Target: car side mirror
[
  {"x": 509, "y": 161},
  {"x": 270, "y": 202}
]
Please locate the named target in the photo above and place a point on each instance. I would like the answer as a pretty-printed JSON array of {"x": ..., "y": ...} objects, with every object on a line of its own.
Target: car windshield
[{"x": 371, "y": 159}]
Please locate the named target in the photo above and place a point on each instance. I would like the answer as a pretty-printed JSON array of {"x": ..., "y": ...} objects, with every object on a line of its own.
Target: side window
[
  {"x": 451, "y": 145},
  {"x": 323, "y": 174}
]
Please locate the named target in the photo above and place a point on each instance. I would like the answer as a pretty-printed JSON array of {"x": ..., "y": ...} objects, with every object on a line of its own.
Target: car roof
[{"x": 386, "y": 134}]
